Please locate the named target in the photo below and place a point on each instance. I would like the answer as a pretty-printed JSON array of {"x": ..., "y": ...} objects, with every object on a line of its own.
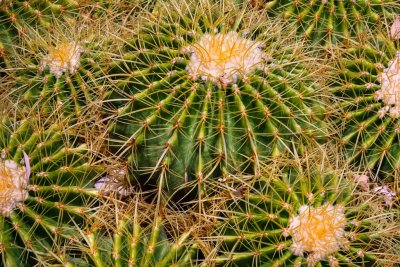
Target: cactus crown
[
  {"x": 223, "y": 58},
  {"x": 317, "y": 231},
  {"x": 59, "y": 72},
  {"x": 63, "y": 57},
  {"x": 389, "y": 93}
]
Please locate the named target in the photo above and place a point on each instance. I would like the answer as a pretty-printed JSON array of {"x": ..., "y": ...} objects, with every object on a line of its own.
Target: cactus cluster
[{"x": 199, "y": 133}]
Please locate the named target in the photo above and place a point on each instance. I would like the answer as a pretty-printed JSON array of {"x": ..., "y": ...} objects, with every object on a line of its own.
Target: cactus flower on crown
[
  {"x": 395, "y": 29},
  {"x": 222, "y": 58},
  {"x": 318, "y": 231},
  {"x": 390, "y": 89},
  {"x": 13, "y": 183},
  {"x": 62, "y": 58}
]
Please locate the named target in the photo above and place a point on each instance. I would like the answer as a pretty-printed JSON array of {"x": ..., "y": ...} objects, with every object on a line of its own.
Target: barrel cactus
[
  {"x": 332, "y": 21},
  {"x": 202, "y": 92},
  {"x": 131, "y": 244},
  {"x": 305, "y": 215},
  {"x": 369, "y": 91},
  {"x": 59, "y": 71},
  {"x": 45, "y": 189}
]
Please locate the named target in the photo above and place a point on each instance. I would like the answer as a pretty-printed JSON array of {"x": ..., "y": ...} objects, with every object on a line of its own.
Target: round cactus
[
  {"x": 368, "y": 87},
  {"x": 45, "y": 189},
  {"x": 305, "y": 215},
  {"x": 332, "y": 21},
  {"x": 133, "y": 245},
  {"x": 58, "y": 71},
  {"x": 16, "y": 17},
  {"x": 203, "y": 92}
]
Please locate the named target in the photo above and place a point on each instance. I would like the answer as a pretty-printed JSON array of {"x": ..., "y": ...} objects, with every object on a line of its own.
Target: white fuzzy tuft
[
  {"x": 13, "y": 183},
  {"x": 317, "y": 231},
  {"x": 223, "y": 58},
  {"x": 65, "y": 57},
  {"x": 390, "y": 89}
]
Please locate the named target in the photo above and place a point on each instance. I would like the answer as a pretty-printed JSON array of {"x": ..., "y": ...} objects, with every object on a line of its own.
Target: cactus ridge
[
  {"x": 174, "y": 122},
  {"x": 133, "y": 243}
]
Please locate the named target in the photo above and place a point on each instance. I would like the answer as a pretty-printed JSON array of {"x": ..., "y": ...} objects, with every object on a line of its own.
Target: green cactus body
[
  {"x": 370, "y": 120},
  {"x": 45, "y": 190},
  {"x": 59, "y": 77},
  {"x": 332, "y": 21},
  {"x": 134, "y": 245},
  {"x": 301, "y": 219},
  {"x": 198, "y": 97}
]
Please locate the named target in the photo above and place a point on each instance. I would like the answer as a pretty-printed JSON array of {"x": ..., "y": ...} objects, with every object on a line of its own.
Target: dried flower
[{"x": 395, "y": 29}]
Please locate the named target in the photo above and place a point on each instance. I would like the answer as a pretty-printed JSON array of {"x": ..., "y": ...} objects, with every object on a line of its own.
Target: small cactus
[
  {"x": 59, "y": 72},
  {"x": 202, "y": 92},
  {"x": 304, "y": 214},
  {"x": 45, "y": 189},
  {"x": 132, "y": 243}
]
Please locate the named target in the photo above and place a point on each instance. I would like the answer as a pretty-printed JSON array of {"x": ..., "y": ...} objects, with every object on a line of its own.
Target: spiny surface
[
  {"x": 367, "y": 88},
  {"x": 332, "y": 21},
  {"x": 198, "y": 97},
  {"x": 309, "y": 217},
  {"x": 45, "y": 190},
  {"x": 134, "y": 245}
]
